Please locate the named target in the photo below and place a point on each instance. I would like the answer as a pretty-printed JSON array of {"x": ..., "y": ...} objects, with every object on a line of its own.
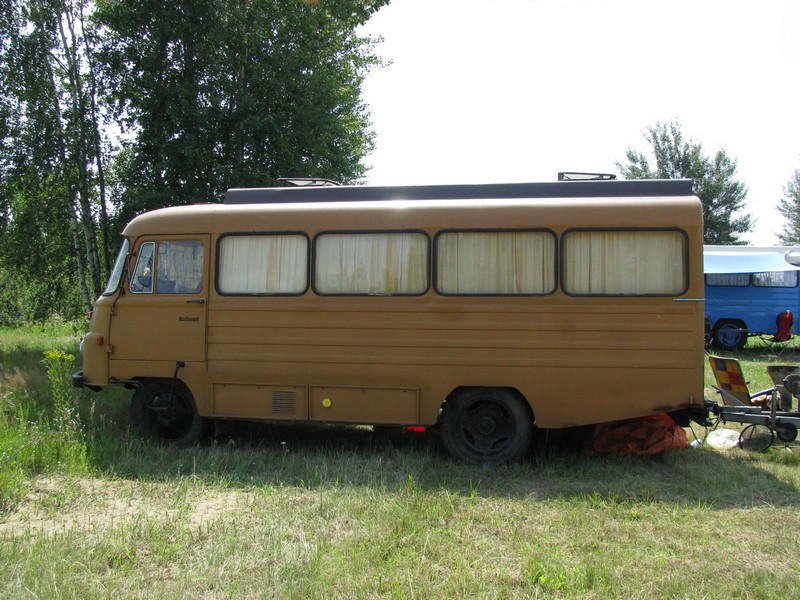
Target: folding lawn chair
[
  {"x": 782, "y": 338},
  {"x": 732, "y": 386}
]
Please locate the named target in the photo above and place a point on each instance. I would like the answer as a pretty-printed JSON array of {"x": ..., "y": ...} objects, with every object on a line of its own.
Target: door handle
[{"x": 198, "y": 301}]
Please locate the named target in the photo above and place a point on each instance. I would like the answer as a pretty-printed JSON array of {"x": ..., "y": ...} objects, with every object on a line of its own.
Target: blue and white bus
[{"x": 747, "y": 288}]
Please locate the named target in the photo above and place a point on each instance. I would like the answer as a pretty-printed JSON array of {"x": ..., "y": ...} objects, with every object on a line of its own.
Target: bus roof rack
[
  {"x": 628, "y": 188},
  {"x": 308, "y": 181},
  {"x": 576, "y": 176}
]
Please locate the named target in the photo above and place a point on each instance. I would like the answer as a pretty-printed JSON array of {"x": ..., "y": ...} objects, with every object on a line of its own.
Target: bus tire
[
  {"x": 160, "y": 417},
  {"x": 730, "y": 335},
  {"x": 486, "y": 426}
]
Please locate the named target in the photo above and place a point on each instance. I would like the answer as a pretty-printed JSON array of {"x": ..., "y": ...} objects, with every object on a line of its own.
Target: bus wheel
[
  {"x": 729, "y": 335},
  {"x": 160, "y": 416},
  {"x": 486, "y": 426}
]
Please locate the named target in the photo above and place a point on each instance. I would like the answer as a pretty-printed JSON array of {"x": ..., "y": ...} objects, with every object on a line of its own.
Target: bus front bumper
[{"x": 77, "y": 379}]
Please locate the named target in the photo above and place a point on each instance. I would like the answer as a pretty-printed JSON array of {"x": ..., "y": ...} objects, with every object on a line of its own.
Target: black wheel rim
[{"x": 487, "y": 426}]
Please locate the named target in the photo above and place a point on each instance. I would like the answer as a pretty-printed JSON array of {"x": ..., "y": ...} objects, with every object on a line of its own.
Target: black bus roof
[{"x": 630, "y": 188}]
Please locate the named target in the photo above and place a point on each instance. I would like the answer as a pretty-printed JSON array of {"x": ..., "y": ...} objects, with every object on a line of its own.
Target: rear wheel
[
  {"x": 729, "y": 335},
  {"x": 486, "y": 426},
  {"x": 164, "y": 416}
]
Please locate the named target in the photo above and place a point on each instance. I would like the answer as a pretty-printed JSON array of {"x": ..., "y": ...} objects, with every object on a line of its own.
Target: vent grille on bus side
[{"x": 284, "y": 402}]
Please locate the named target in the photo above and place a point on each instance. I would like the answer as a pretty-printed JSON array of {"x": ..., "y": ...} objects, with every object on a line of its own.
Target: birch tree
[
  {"x": 109, "y": 108},
  {"x": 48, "y": 189}
]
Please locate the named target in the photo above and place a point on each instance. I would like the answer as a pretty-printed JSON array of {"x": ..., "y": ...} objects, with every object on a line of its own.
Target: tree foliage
[
  {"x": 235, "y": 93},
  {"x": 109, "y": 108},
  {"x": 49, "y": 159},
  {"x": 789, "y": 207},
  {"x": 713, "y": 180}
]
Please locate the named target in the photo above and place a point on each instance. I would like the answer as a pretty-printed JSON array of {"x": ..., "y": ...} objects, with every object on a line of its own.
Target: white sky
[{"x": 483, "y": 91}]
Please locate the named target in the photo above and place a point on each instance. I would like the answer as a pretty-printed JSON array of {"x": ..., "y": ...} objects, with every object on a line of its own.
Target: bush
[{"x": 39, "y": 436}]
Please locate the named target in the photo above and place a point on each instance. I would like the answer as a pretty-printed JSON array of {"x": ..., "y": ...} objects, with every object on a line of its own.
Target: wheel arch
[
  {"x": 734, "y": 320},
  {"x": 462, "y": 389}
]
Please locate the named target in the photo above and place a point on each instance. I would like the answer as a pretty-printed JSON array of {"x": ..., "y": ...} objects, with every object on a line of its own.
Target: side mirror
[{"x": 792, "y": 384}]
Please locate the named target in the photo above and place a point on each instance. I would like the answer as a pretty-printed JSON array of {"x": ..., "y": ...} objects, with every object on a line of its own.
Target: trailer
[{"x": 764, "y": 423}]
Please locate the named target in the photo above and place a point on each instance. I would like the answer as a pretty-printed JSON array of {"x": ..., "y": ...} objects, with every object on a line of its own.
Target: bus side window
[
  {"x": 180, "y": 267},
  {"x": 142, "y": 280}
]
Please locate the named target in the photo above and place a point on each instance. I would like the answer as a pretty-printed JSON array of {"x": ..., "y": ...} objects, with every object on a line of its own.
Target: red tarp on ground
[{"x": 648, "y": 435}]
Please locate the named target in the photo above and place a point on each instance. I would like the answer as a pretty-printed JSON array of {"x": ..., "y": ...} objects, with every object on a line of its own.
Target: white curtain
[
  {"x": 263, "y": 264},
  {"x": 728, "y": 279},
  {"x": 180, "y": 267},
  {"x": 624, "y": 262},
  {"x": 371, "y": 263},
  {"x": 786, "y": 279},
  {"x": 492, "y": 262}
]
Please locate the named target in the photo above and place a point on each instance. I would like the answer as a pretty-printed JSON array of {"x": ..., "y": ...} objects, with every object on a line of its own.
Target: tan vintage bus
[{"x": 484, "y": 310}]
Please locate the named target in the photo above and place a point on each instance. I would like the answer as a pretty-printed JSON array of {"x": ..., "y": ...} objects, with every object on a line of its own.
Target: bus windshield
[{"x": 119, "y": 265}]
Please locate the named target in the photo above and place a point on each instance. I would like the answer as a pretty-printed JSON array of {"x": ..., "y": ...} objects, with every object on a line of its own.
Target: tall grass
[
  {"x": 40, "y": 430},
  {"x": 282, "y": 511}
]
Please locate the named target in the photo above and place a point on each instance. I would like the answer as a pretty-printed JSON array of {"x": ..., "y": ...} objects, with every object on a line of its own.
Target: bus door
[{"x": 162, "y": 312}]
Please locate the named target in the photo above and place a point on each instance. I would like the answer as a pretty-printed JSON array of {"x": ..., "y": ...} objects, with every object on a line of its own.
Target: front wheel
[
  {"x": 164, "y": 416},
  {"x": 486, "y": 426}
]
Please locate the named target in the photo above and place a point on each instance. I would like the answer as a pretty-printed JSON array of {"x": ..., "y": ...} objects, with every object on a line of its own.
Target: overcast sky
[{"x": 482, "y": 91}]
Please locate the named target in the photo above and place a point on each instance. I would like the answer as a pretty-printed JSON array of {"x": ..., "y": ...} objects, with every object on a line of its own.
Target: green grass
[
  {"x": 754, "y": 360},
  {"x": 263, "y": 511}
]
